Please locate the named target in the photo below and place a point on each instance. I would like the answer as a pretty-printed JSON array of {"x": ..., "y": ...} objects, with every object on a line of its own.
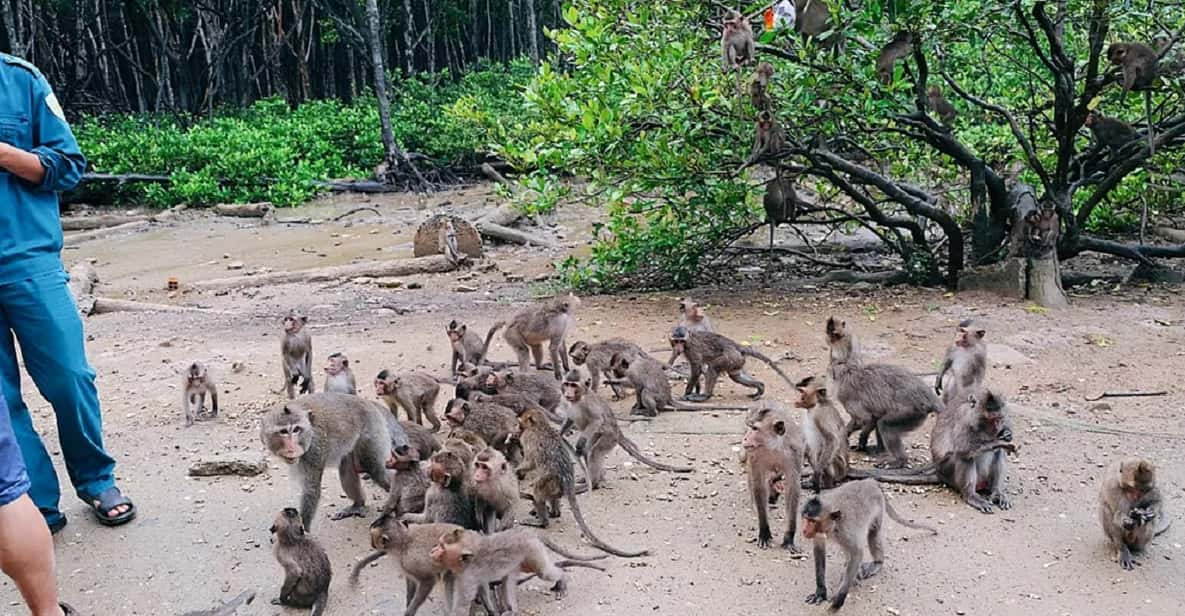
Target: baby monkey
[
  {"x": 852, "y": 515},
  {"x": 196, "y": 386},
  {"x": 306, "y": 565},
  {"x": 1130, "y": 509},
  {"x": 338, "y": 376}
]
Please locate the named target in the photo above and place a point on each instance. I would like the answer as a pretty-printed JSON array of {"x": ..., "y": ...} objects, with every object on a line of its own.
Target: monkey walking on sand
[
  {"x": 196, "y": 385},
  {"x": 296, "y": 355}
]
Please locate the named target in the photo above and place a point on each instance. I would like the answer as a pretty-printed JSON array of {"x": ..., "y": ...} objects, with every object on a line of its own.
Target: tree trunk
[
  {"x": 380, "y": 76},
  {"x": 408, "y": 53},
  {"x": 532, "y": 32}
]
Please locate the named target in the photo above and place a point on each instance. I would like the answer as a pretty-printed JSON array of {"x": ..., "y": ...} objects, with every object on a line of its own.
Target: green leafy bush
[{"x": 272, "y": 152}]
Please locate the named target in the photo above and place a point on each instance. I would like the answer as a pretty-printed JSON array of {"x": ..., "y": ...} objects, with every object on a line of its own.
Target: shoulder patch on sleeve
[{"x": 55, "y": 107}]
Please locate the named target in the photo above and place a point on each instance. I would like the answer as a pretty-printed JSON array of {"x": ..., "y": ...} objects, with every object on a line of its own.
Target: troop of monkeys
[
  {"x": 1138, "y": 66},
  {"x": 450, "y": 511}
]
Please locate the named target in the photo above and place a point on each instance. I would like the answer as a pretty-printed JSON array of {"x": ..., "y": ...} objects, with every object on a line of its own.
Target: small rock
[
  {"x": 464, "y": 288},
  {"x": 241, "y": 468},
  {"x": 414, "y": 285},
  {"x": 1098, "y": 407},
  {"x": 235, "y": 265}
]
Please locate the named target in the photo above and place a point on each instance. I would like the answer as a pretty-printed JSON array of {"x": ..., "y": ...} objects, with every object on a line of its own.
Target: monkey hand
[
  {"x": 1140, "y": 516},
  {"x": 1005, "y": 435}
]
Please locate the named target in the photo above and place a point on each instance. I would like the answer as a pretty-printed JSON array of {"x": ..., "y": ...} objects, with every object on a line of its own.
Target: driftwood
[
  {"x": 229, "y": 608},
  {"x": 83, "y": 279},
  {"x": 435, "y": 264},
  {"x": 427, "y": 241},
  {"x": 75, "y": 239},
  {"x": 367, "y": 187},
  {"x": 89, "y": 223},
  {"x": 244, "y": 210},
  {"x": 506, "y": 234},
  {"x": 125, "y": 178},
  {"x": 238, "y": 468}
]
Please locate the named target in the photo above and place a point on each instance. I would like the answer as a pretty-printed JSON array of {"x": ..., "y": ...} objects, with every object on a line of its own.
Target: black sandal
[{"x": 108, "y": 500}]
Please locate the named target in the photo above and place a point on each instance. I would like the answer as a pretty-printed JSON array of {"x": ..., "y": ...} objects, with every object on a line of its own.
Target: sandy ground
[{"x": 201, "y": 540}]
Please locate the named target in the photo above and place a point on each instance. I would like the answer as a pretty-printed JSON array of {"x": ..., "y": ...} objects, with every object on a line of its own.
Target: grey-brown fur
[
  {"x": 492, "y": 422},
  {"x": 409, "y": 482},
  {"x": 711, "y": 355},
  {"x": 339, "y": 378},
  {"x": 307, "y": 571},
  {"x": 495, "y": 490},
  {"x": 448, "y": 499},
  {"x": 196, "y": 385},
  {"x": 595, "y": 357},
  {"x": 881, "y": 397},
  {"x": 652, "y": 390},
  {"x": 410, "y": 546},
  {"x": 327, "y": 429},
  {"x": 1131, "y": 508},
  {"x": 964, "y": 368},
  {"x": 773, "y": 449},
  {"x": 467, "y": 345},
  {"x": 967, "y": 446},
  {"x": 547, "y": 322},
  {"x": 825, "y": 434},
  {"x": 296, "y": 355},
  {"x": 539, "y": 388},
  {"x": 415, "y": 392}
]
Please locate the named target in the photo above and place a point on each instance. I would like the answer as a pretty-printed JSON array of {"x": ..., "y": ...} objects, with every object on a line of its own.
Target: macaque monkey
[
  {"x": 411, "y": 547},
  {"x": 408, "y": 481},
  {"x": 1040, "y": 228},
  {"x": 1110, "y": 132},
  {"x": 773, "y": 457},
  {"x": 321, "y": 430},
  {"x": 968, "y": 445},
  {"x": 769, "y": 138},
  {"x": 814, "y": 19},
  {"x": 471, "y": 378},
  {"x": 780, "y": 202},
  {"x": 596, "y": 358},
  {"x": 1139, "y": 64},
  {"x": 592, "y": 416},
  {"x": 759, "y": 87},
  {"x": 296, "y": 355},
  {"x": 495, "y": 491},
  {"x": 693, "y": 317},
  {"x": 540, "y": 389},
  {"x": 422, "y": 440},
  {"x": 476, "y": 561},
  {"x": 544, "y": 454},
  {"x": 711, "y": 355},
  {"x": 736, "y": 42},
  {"x": 825, "y": 434},
  {"x": 852, "y": 516},
  {"x": 467, "y": 345},
  {"x": 306, "y": 565},
  {"x": 492, "y": 422},
  {"x": 414, "y": 391},
  {"x": 338, "y": 376},
  {"x": 1130, "y": 508},
  {"x": 449, "y": 499},
  {"x": 648, "y": 377},
  {"x": 196, "y": 386},
  {"x": 939, "y": 105},
  {"x": 899, "y": 47},
  {"x": 881, "y": 397},
  {"x": 965, "y": 366},
  {"x": 548, "y": 322}
]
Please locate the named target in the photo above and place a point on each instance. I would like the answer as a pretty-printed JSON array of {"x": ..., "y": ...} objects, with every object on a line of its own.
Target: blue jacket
[{"x": 32, "y": 119}]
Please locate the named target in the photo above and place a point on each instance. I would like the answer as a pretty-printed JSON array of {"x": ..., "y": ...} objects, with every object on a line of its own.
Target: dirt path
[{"x": 202, "y": 540}]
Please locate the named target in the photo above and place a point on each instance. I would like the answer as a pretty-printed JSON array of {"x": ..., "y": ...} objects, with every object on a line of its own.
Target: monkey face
[
  {"x": 293, "y": 323},
  {"x": 1116, "y": 53},
  {"x": 290, "y": 437},
  {"x": 336, "y": 364},
  {"x": 457, "y": 411},
  {"x": 578, "y": 353},
  {"x": 572, "y": 391},
  {"x": 967, "y": 337},
  {"x": 807, "y": 398},
  {"x": 836, "y": 330},
  {"x": 618, "y": 365},
  {"x": 1137, "y": 477},
  {"x": 402, "y": 458},
  {"x": 494, "y": 383},
  {"x": 679, "y": 344}
]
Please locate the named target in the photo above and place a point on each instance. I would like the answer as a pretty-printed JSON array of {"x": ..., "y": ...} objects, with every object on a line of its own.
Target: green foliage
[{"x": 271, "y": 152}]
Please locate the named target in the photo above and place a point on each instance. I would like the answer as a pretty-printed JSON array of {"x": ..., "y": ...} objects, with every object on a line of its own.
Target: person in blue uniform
[{"x": 38, "y": 158}]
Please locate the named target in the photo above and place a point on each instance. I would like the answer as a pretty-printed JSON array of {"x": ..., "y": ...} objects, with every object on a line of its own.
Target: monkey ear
[
  {"x": 780, "y": 427},
  {"x": 463, "y": 329},
  {"x": 979, "y": 333},
  {"x": 822, "y": 392},
  {"x": 304, "y": 319}
]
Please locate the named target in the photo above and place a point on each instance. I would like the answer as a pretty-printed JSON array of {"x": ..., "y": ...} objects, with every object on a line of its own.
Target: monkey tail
[
  {"x": 373, "y": 556},
  {"x": 319, "y": 604},
  {"x": 632, "y": 448},
  {"x": 902, "y": 521},
  {"x": 769, "y": 362},
  {"x": 558, "y": 549},
  {"x": 485, "y": 348},
  {"x": 564, "y": 564},
  {"x": 592, "y": 538}
]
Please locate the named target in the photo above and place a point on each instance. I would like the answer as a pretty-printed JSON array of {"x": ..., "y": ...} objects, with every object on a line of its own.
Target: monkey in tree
[
  {"x": 296, "y": 355},
  {"x": 852, "y": 516},
  {"x": 814, "y": 20},
  {"x": 1139, "y": 65},
  {"x": 899, "y": 47},
  {"x": 306, "y": 565},
  {"x": 881, "y": 397},
  {"x": 592, "y": 416},
  {"x": 320, "y": 430},
  {"x": 548, "y": 322},
  {"x": 965, "y": 364},
  {"x": 1130, "y": 508},
  {"x": 769, "y": 137},
  {"x": 544, "y": 454},
  {"x": 736, "y": 42},
  {"x": 467, "y": 345},
  {"x": 773, "y": 457},
  {"x": 780, "y": 202},
  {"x": 1110, "y": 132},
  {"x": 197, "y": 384},
  {"x": 759, "y": 87},
  {"x": 1041, "y": 228},
  {"x": 939, "y": 105},
  {"x": 825, "y": 434},
  {"x": 338, "y": 376}
]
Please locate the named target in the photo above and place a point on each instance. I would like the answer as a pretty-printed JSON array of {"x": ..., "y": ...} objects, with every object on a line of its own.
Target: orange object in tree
[{"x": 769, "y": 19}]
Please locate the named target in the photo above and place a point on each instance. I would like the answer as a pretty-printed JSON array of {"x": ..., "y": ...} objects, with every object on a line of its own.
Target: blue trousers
[
  {"x": 14, "y": 481},
  {"x": 40, "y": 314}
]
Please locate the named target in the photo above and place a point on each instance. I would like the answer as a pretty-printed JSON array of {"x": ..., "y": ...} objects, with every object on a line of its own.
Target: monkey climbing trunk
[{"x": 1031, "y": 270}]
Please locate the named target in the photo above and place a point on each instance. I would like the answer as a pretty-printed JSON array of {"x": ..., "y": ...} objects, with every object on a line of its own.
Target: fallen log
[
  {"x": 75, "y": 239},
  {"x": 125, "y": 178},
  {"x": 506, "y": 234},
  {"x": 83, "y": 279},
  {"x": 244, "y": 210},
  {"x": 90, "y": 223},
  {"x": 365, "y": 187},
  {"x": 435, "y": 264}
]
